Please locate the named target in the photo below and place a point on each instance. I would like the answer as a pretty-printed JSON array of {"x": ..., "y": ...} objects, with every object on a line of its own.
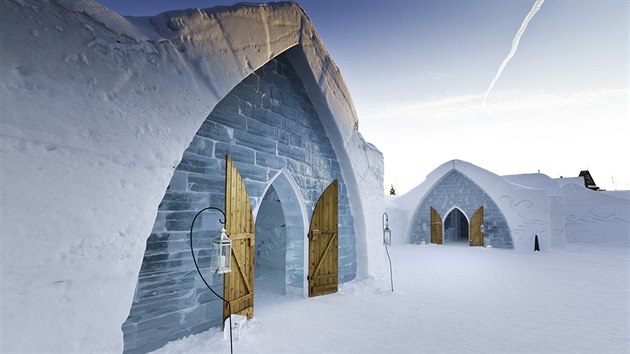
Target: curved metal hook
[{"x": 213, "y": 208}]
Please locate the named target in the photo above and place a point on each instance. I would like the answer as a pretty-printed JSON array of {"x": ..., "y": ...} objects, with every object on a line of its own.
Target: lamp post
[
  {"x": 221, "y": 258},
  {"x": 387, "y": 241}
]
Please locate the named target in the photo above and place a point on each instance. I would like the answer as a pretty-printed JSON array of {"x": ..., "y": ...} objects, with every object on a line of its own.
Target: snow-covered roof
[
  {"x": 617, "y": 194},
  {"x": 536, "y": 181},
  {"x": 484, "y": 178},
  {"x": 563, "y": 181},
  {"x": 529, "y": 181}
]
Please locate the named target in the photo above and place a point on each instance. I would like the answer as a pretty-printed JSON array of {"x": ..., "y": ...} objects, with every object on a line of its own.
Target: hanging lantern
[
  {"x": 221, "y": 254},
  {"x": 387, "y": 235}
]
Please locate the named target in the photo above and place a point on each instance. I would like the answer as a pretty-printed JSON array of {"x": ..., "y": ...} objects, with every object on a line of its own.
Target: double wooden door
[
  {"x": 475, "y": 228},
  {"x": 238, "y": 288}
]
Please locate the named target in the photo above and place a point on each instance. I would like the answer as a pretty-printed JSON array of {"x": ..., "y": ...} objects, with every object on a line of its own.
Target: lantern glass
[
  {"x": 387, "y": 236},
  {"x": 221, "y": 254}
]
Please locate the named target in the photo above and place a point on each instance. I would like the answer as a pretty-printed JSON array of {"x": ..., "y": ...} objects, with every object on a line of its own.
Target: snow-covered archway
[
  {"x": 267, "y": 123},
  {"x": 102, "y": 108}
]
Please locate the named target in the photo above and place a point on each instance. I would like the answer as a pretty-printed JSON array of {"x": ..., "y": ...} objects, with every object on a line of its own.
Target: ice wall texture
[
  {"x": 266, "y": 123},
  {"x": 97, "y": 111},
  {"x": 457, "y": 190}
]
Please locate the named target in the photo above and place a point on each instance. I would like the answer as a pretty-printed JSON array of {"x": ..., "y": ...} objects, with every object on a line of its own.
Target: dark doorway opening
[
  {"x": 271, "y": 246},
  {"x": 456, "y": 229}
]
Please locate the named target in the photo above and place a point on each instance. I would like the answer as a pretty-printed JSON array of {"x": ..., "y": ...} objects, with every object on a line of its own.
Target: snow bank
[
  {"x": 596, "y": 217},
  {"x": 97, "y": 110}
]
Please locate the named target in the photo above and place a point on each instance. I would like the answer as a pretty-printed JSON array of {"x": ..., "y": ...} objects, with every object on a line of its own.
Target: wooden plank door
[
  {"x": 238, "y": 285},
  {"x": 436, "y": 227},
  {"x": 476, "y": 236},
  {"x": 323, "y": 244}
]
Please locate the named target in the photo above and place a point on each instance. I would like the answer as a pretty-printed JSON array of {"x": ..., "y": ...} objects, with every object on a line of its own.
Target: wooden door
[
  {"x": 323, "y": 244},
  {"x": 436, "y": 227},
  {"x": 476, "y": 236},
  {"x": 238, "y": 286}
]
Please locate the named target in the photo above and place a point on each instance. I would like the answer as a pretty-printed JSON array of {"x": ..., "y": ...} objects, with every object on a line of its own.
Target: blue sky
[{"x": 417, "y": 72}]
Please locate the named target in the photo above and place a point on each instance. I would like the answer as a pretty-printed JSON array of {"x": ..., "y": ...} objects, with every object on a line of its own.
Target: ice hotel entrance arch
[
  {"x": 457, "y": 227},
  {"x": 458, "y": 185},
  {"x": 287, "y": 108}
]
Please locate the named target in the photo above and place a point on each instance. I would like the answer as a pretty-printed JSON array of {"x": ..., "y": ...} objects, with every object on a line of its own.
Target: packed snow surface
[{"x": 451, "y": 299}]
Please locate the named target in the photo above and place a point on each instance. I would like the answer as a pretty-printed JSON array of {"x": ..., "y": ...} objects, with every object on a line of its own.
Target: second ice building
[
  {"x": 463, "y": 204},
  {"x": 460, "y": 203}
]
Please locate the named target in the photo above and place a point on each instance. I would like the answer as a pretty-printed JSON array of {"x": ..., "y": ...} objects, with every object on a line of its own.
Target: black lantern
[{"x": 221, "y": 254}]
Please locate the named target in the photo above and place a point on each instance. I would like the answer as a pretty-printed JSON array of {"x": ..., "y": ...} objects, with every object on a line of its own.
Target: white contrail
[{"x": 515, "y": 41}]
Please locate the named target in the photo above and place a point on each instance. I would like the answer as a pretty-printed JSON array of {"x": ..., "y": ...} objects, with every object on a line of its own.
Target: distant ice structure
[{"x": 522, "y": 207}]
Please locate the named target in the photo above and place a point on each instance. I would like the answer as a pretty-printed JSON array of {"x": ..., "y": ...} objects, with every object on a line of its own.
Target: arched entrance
[
  {"x": 280, "y": 240},
  {"x": 271, "y": 245},
  {"x": 456, "y": 228},
  {"x": 487, "y": 223}
]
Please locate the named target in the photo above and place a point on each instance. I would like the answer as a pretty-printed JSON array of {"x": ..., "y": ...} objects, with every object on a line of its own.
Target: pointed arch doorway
[
  {"x": 456, "y": 228},
  {"x": 280, "y": 226}
]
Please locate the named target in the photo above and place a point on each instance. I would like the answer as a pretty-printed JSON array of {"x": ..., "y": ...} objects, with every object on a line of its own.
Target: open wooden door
[
  {"x": 436, "y": 227},
  {"x": 476, "y": 236},
  {"x": 238, "y": 285},
  {"x": 323, "y": 244}
]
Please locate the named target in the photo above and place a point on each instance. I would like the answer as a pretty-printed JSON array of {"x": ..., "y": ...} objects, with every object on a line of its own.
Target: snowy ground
[{"x": 451, "y": 300}]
